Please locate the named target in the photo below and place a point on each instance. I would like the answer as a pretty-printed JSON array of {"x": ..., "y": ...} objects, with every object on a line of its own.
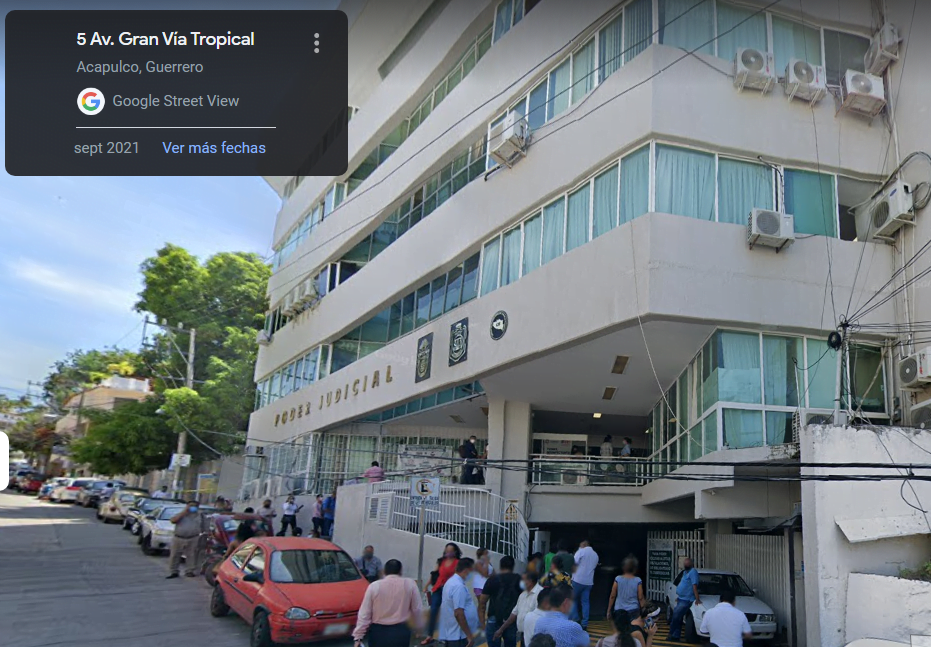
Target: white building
[{"x": 604, "y": 280}]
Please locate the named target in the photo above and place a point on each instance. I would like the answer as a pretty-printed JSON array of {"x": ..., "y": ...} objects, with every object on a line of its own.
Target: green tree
[{"x": 82, "y": 369}]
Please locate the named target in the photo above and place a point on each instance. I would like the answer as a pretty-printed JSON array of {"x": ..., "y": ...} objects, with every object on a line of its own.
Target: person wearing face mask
[
  {"x": 526, "y": 603},
  {"x": 445, "y": 570},
  {"x": 556, "y": 622},
  {"x": 289, "y": 511},
  {"x": 369, "y": 564},
  {"x": 686, "y": 595},
  {"x": 190, "y": 523},
  {"x": 458, "y": 615},
  {"x": 469, "y": 452}
]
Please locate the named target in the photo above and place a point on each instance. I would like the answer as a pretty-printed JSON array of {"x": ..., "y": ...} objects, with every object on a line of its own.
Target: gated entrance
[{"x": 666, "y": 550}]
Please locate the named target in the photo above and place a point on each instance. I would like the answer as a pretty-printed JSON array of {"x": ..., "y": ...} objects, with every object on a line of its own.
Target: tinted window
[
  {"x": 718, "y": 583},
  {"x": 81, "y": 482},
  {"x": 240, "y": 556},
  {"x": 312, "y": 567},
  {"x": 127, "y": 497},
  {"x": 168, "y": 513}
]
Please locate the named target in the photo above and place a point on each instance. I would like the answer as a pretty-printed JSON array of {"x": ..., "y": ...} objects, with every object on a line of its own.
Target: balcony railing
[{"x": 559, "y": 469}]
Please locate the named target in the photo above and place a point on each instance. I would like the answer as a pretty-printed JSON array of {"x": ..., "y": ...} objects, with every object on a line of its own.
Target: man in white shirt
[
  {"x": 586, "y": 561},
  {"x": 289, "y": 510},
  {"x": 526, "y": 602},
  {"x": 458, "y": 612},
  {"x": 161, "y": 493},
  {"x": 529, "y": 628},
  {"x": 726, "y": 625}
]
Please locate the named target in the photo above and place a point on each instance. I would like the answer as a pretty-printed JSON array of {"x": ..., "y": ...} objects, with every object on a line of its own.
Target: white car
[
  {"x": 115, "y": 508},
  {"x": 67, "y": 492},
  {"x": 711, "y": 584},
  {"x": 157, "y": 530}
]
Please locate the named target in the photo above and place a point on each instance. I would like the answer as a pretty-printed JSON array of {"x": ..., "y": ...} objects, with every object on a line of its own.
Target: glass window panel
[
  {"x": 709, "y": 374},
  {"x": 504, "y": 13},
  {"x": 323, "y": 368},
  {"x": 685, "y": 182},
  {"x": 376, "y": 328},
  {"x": 369, "y": 347},
  {"x": 688, "y": 24},
  {"x": 275, "y": 385},
  {"x": 611, "y": 47},
  {"x": 407, "y": 314},
  {"x": 468, "y": 63},
  {"x": 554, "y": 226},
  {"x": 635, "y": 184},
  {"x": 638, "y": 27},
  {"x": 453, "y": 288},
  {"x": 866, "y": 379},
  {"x": 794, "y": 40},
  {"x": 310, "y": 365},
  {"x": 577, "y": 226},
  {"x": 445, "y": 396},
  {"x": 510, "y": 257},
  {"x": 429, "y": 205},
  {"x": 683, "y": 405},
  {"x": 583, "y": 71},
  {"x": 440, "y": 93},
  {"x": 423, "y": 306},
  {"x": 287, "y": 380},
  {"x": 490, "y": 266},
  {"x": 361, "y": 253},
  {"x": 694, "y": 443},
  {"x": 439, "y": 297},
  {"x": 345, "y": 352},
  {"x": 843, "y": 52},
  {"x": 299, "y": 374},
  {"x": 743, "y": 428},
  {"x": 778, "y": 427},
  {"x": 416, "y": 214},
  {"x": 738, "y": 367},
  {"x": 428, "y": 401},
  {"x": 454, "y": 78},
  {"x": 810, "y": 198},
  {"x": 558, "y": 93},
  {"x": 518, "y": 11},
  {"x": 470, "y": 279},
  {"x": 821, "y": 374},
  {"x": 484, "y": 44},
  {"x": 780, "y": 378},
  {"x": 537, "y": 106},
  {"x": 533, "y": 231},
  {"x": 739, "y": 27},
  {"x": 742, "y": 187},
  {"x": 604, "y": 211}
]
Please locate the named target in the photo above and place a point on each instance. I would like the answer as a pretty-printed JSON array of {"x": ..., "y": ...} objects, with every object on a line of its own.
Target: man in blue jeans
[
  {"x": 497, "y": 602},
  {"x": 586, "y": 561},
  {"x": 687, "y": 594}
]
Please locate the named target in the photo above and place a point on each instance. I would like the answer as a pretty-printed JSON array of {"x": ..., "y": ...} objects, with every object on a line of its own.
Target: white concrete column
[{"x": 509, "y": 425}]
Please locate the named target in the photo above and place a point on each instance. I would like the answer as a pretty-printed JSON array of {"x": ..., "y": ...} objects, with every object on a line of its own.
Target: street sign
[
  {"x": 179, "y": 459},
  {"x": 426, "y": 492},
  {"x": 659, "y": 560}
]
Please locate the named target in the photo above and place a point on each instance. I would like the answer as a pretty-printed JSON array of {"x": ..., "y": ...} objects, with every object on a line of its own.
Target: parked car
[
  {"x": 50, "y": 485},
  {"x": 290, "y": 589},
  {"x": 222, "y": 534},
  {"x": 156, "y": 529},
  {"x": 114, "y": 509},
  {"x": 16, "y": 475},
  {"x": 89, "y": 495},
  {"x": 32, "y": 483},
  {"x": 711, "y": 584},
  {"x": 68, "y": 491},
  {"x": 144, "y": 505}
]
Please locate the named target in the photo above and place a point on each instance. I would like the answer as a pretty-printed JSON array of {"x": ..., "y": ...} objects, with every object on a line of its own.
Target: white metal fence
[
  {"x": 560, "y": 469},
  {"x": 763, "y": 562},
  {"x": 466, "y": 515},
  {"x": 685, "y": 543}
]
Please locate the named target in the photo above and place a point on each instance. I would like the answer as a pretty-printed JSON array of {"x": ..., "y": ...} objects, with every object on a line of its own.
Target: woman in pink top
[{"x": 375, "y": 473}]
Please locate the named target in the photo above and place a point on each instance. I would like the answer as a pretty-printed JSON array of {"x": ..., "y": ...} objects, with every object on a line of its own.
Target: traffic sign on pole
[{"x": 426, "y": 492}]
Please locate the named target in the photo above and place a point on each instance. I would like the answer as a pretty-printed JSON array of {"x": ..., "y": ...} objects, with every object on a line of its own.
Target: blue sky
[{"x": 70, "y": 248}]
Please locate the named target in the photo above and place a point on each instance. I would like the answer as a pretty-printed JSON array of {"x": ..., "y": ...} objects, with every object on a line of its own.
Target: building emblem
[
  {"x": 499, "y": 325},
  {"x": 424, "y": 357},
  {"x": 459, "y": 342}
]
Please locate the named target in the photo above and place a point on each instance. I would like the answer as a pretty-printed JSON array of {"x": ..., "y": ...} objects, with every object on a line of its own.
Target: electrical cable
[{"x": 919, "y": 507}]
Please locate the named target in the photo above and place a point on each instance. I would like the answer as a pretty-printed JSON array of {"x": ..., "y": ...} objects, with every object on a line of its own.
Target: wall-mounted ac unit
[
  {"x": 884, "y": 48},
  {"x": 863, "y": 93},
  {"x": 288, "y": 305},
  {"x": 507, "y": 141},
  {"x": 263, "y": 338},
  {"x": 754, "y": 69},
  {"x": 803, "y": 418},
  {"x": 805, "y": 81},
  {"x": 915, "y": 370},
  {"x": 308, "y": 291},
  {"x": 886, "y": 213},
  {"x": 921, "y": 415},
  {"x": 770, "y": 228}
]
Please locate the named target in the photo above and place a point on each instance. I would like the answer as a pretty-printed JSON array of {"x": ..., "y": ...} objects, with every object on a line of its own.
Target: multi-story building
[{"x": 602, "y": 284}]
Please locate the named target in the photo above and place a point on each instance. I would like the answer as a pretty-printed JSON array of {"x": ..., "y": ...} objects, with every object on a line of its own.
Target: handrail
[{"x": 564, "y": 469}]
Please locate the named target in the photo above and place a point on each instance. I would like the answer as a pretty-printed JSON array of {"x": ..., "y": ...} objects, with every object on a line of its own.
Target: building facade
[{"x": 603, "y": 284}]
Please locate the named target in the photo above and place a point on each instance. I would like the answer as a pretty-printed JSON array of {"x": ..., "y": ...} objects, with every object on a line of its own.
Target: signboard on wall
[
  {"x": 207, "y": 484},
  {"x": 660, "y": 560},
  {"x": 425, "y": 459},
  {"x": 424, "y": 358}
]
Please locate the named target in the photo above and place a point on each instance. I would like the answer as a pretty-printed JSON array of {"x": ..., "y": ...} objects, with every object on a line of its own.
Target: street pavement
[{"x": 68, "y": 580}]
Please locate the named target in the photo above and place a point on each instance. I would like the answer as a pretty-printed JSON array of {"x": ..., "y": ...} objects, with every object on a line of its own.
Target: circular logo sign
[
  {"x": 499, "y": 325},
  {"x": 91, "y": 101}
]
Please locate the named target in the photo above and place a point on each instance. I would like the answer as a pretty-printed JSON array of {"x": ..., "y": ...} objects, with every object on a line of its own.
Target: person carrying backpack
[{"x": 499, "y": 597}]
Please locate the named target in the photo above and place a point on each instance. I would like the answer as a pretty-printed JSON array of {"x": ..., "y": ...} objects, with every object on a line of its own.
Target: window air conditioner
[
  {"x": 921, "y": 415},
  {"x": 308, "y": 291},
  {"x": 754, "y": 69},
  {"x": 863, "y": 93},
  {"x": 770, "y": 228},
  {"x": 884, "y": 48},
  {"x": 915, "y": 370},
  {"x": 507, "y": 141},
  {"x": 263, "y": 338},
  {"x": 804, "y": 418},
  {"x": 805, "y": 81},
  {"x": 886, "y": 213},
  {"x": 287, "y": 306}
]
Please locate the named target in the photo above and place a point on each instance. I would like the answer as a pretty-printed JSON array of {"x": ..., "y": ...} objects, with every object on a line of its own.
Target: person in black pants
[{"x": 289, "y": 512}]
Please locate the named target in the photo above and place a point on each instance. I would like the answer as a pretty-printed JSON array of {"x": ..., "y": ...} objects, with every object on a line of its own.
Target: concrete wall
[
  {"x": 898, "y": 609},
  {"x": 830, "y": 558}
]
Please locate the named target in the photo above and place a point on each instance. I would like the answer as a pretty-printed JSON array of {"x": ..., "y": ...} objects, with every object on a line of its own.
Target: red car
[
  {"x": 290, "y": 589},
  {"x": 32, "y": 483}
]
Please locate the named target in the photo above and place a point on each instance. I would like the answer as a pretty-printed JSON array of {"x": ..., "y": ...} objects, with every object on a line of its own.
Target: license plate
[{"x": 331, "y": 630}]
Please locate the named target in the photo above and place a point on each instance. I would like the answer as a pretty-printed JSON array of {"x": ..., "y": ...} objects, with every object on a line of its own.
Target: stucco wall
[{"x": 887, "y": 607}]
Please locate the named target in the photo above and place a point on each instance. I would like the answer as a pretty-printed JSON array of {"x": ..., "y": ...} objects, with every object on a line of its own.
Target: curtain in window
[
  {"x": 635, "y": 184},
  {"x": 778, "y": 427},
  {"x": 739, "y": 369},
  {"x": 536, "y": 116},
  {"x": 558, "y": 97},
  {"x": 780, "y": 378},
  {"x": 577, "y": 221},
  {"x": 583, "y": 71},
  {"x": 742, "y": 186},
  {"x": 795, "y": 40},
  {"x": 821, "y": 374},
  {"x": 733, "y": 32},
  {"x": 810, "y": 198},
  {"x": 710, "y": 433},
  {"x": 490, "y": 266},
  {"x": 743, "y": 428},
  {"x": 684, "y": 182},
  {"x": 610, "y": 48},
  {"x": 470, "y": 278},
  {"x": 688, "y": 24},
  {"x": 866, "y": 379},
  {"x": 533, "y": 232},
  {"x": 638, "y": 27},
  {"x": 503, "y": 18},
  {"x": 604, "y": 216},
  {"x": 554, "y": 226},
  {"x": 510, "y": 257},
  {"x": 843, "y": 52}
]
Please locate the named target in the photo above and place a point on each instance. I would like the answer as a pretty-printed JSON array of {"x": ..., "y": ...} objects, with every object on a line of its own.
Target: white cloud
[{"x": 71, "y": 289}]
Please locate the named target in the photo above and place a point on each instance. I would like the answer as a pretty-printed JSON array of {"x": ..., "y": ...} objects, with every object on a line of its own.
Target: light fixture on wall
[{"x": 596, "y": 415}]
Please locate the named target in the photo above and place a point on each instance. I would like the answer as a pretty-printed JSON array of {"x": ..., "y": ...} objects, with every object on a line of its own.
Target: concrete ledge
[{"x": 890, "y": 607}]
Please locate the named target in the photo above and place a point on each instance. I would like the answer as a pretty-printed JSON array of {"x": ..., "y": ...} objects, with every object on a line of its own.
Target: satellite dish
[
  {"x": 804, "y": 72},
  {"x": 752, "y": 60}
]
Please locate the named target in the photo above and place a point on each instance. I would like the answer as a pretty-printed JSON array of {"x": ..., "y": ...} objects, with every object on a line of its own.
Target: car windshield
[
  {"x": 312, "y": 567},
  {"x": 168, "y": 513},
  {"x": 718, "y": 583},
  {"x": 100, "y": 485},
  {"x": 126, "y": 497},
  {"x": 80, "y": 483}
]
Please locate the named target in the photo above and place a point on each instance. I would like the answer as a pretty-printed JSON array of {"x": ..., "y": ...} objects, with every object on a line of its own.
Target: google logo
[{"x": 91, "y": 101}]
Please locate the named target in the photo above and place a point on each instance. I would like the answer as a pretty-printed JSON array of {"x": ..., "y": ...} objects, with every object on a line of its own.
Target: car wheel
[
  {"x": 218, "y": 605},
  {"x": 261, "y": 632},
  {"x": 124, "y": 525},
  {"x": 147, "y": 546},
  {"x": 689, "y": 633}
]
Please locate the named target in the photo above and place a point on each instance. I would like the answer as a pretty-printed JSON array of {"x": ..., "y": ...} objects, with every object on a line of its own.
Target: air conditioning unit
[
  {"x": 803, "y": 418},
  {"x": 886, "y": 213},
  {"x": 915, "y": 370},
  {"x": 308, "y": 291},
  {"x": 884, "y": 48},
  {"x": 770, "y": 228},
  {"x": 805, "y": 81},
  {"x": 921, "y": 415},
  {"x": 507, "y": 141},
  {"x": 263, "y": 338},
  {"x": 288, "y": 306},
  {"x": 863, "y": 93},
  {"x": 754, "y": 69}
]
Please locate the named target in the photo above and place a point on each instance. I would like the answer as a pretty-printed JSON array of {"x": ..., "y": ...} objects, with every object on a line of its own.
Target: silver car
[{"x": 156, "y": 529}]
